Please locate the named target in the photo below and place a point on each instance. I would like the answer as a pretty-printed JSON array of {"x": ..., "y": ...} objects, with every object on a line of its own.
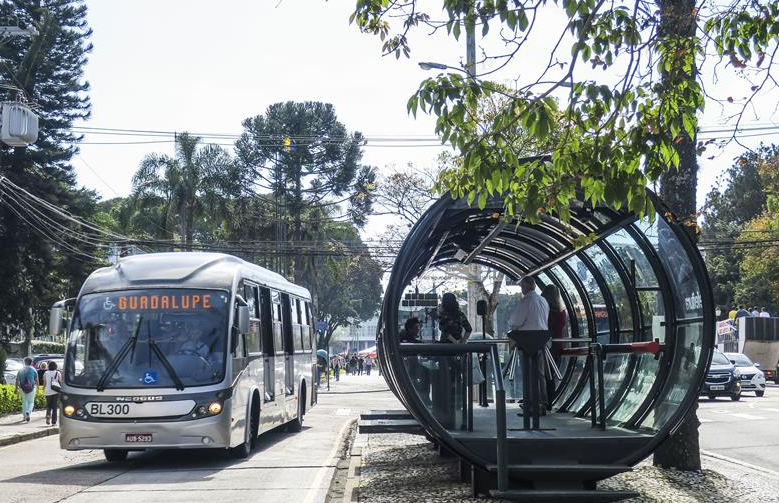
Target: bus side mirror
[
  {"x": 55, "y": 320},
  {"x": 243, "y": 319},
  {"x": 481, "y": 307}
]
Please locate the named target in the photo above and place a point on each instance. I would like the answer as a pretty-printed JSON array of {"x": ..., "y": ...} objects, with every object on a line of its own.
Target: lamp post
[{"x": 474, "y": 270}]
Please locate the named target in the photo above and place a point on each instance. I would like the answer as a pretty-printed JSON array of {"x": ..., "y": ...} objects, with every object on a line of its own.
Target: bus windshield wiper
[
  {"x": 130, "y": 344},
  {"x": 165, "y": 363}
]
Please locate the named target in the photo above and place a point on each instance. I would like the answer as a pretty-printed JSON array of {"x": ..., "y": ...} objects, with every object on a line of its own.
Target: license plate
[
  {"x": 137, "y": 437},
  {"x": 717, "y": 387}
]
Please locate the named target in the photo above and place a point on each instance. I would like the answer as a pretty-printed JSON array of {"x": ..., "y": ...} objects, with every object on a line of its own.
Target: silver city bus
[{"x": 184, "y": 350}]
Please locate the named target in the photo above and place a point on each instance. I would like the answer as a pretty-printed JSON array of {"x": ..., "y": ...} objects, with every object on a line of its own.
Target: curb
[
  {"x": 743, "y": 464},
  {"x": 337, "y": 491},
  {"x": 23, "y": 437},
  {"x": 352, "y": 489}
]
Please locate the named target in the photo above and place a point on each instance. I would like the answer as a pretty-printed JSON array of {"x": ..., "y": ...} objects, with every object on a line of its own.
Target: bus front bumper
[{"x": 208, "y": 432}]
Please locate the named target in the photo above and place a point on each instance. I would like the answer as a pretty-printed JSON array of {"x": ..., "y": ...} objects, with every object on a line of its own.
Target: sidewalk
[{"x": 14, "y": 430}]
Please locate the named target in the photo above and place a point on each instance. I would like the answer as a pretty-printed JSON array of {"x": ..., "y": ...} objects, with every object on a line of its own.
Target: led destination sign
[{"x": 185, "y": 302}]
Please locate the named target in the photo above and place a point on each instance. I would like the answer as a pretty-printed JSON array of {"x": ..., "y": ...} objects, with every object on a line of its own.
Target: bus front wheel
[{"x": 115, "y": 455}]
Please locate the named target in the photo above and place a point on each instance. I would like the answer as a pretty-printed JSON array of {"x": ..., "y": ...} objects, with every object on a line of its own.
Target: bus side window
[
  {"x": 266, "y": 320},
  {"x": 251, "y": 298},
  {"x": 297, "y": 330},
  {"x": 277, "y": 322},
  {"x": 309, "y": 329},
  {"x": 252, "y": 339}
]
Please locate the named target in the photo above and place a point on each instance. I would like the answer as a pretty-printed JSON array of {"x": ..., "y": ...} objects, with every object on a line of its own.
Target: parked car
[
  {"x": 752, "y": 378},
  {"x": 38, "y": 362},
  {"x": 722, "y": 379},
  {"x": 12, "y": 366}
]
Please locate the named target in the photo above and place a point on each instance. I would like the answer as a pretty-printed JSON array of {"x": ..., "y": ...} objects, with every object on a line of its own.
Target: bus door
[
  {"x": 278, "y": 347},
  {"x": 289, "y": 346},
  {"x": 267, "y": 327}
]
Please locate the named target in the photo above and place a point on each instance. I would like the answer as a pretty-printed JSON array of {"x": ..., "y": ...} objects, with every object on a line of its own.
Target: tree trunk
[
  {"x": 678, "y": 190},
  {"x": 183, "y": 224}
]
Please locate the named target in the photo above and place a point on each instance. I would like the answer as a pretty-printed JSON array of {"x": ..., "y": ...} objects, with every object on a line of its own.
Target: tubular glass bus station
[{"x": 639, "y": 337}]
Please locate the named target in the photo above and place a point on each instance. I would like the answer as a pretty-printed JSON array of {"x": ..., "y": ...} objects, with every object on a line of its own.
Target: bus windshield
[{"x": 148, "y": 339}]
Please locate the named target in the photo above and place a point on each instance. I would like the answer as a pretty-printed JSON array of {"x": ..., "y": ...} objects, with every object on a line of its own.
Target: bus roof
[{"x": 184, "y": 270}]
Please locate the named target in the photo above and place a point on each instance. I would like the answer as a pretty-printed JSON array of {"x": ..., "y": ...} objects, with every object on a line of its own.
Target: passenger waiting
[
  {"x": 452, "y": 322},
  {"x": 410, "y": 331},
  {"x": 556, "y": 322},
  {"x": 532, "y": 313}
]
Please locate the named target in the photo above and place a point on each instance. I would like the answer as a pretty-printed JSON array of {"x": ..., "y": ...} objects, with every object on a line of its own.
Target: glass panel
[
  {"x": 627, "y": 250},
  {"x": 578, "y": 370},
  {"x": 579, "y": 317},
  {"x": 687, "y": 295},
  {"x": 584, "y": 398},
  {"x": 573, "y": 294},
  {"x": 652, "y": 310},
  {"x": 596, "y": 298},
  {"x": 615, "y": 285},
  {"x": 644, "y": 375},
  {"x": 615, "y": 368},
  {"x": 439, "y": 382},
  {"x": 684, "y": 367}
]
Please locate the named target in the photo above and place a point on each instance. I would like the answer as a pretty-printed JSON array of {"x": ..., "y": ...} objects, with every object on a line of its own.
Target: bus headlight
[
  {"x": 214, "y": 407},
  {"x": 68, "y": 410}
]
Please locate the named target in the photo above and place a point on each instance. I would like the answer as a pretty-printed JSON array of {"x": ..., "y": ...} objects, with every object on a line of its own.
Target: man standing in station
[{"x": 532, "y": 313}]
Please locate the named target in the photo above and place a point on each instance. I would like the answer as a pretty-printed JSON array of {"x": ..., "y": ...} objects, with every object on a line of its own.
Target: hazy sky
[{"x": 204, "y": 66}]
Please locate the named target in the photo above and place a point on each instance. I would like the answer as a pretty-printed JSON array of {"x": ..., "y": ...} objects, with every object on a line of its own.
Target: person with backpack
[
  {"x": 52, "y": 385},
  {"x": 27, "y": 384}
]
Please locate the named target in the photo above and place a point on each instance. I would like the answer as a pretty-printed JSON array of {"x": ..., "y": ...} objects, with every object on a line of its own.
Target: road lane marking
[
  {"x": 768, "y": 410},
  {"x": 704, "y": 420},
  {"x": 746, "y": 416}
]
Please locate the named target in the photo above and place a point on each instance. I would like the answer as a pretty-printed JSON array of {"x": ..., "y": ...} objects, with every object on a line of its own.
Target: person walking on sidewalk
[
  {"x": 27, "y": 384},
  {"x": 52, "y": 383}
]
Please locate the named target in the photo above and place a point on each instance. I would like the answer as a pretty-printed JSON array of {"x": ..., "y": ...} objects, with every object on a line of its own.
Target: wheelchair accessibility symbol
[{"x": 149, "y": 377}]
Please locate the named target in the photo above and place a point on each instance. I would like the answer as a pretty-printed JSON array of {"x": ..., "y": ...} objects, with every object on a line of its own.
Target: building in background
[{"x": 353, "y": 338}]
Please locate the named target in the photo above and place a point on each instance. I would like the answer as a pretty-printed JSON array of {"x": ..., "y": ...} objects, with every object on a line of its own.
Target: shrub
[
  {"x": 47, "y": 347},
  {"x": 11, "y": 401}
]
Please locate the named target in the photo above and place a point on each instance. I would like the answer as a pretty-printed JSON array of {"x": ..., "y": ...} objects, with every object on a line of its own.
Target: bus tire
[
  {"x": 242, "y": 450},
  {"x": 735, "y": 398},
  {"x": 115, "y": 455},
  {"x": 296, "y": 424}
]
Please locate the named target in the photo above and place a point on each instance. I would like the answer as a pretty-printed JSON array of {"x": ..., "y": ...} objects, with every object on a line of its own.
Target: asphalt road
[
  {"x": 747, "y": 430},
  {"x": 284, "y": 468}
]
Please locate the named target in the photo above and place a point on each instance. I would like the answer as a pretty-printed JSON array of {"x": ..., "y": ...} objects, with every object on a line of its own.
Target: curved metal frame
[{"x": 421, "y": 249}]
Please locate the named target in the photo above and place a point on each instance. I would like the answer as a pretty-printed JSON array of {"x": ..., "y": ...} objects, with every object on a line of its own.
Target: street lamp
[{"x": 429, "y": 65}]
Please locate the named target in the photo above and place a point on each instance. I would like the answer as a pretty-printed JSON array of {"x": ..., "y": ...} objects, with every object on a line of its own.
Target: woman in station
[{"x": 556, "y": 324}]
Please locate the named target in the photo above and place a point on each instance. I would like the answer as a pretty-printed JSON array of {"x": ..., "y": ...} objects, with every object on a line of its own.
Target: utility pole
[{"x": 473, "y": 270}]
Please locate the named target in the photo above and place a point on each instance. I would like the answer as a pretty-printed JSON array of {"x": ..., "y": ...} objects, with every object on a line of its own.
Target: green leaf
[
  {"x": 482, "y": 200},
  {"x": 522, "y": 20}
]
